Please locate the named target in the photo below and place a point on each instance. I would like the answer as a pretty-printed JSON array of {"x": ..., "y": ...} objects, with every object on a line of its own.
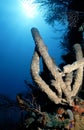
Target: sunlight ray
[{"x": 29, "y": 8}]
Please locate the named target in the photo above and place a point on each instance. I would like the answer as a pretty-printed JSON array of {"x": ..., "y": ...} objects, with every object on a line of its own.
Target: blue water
[{"x": 17, "y": 45}]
